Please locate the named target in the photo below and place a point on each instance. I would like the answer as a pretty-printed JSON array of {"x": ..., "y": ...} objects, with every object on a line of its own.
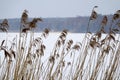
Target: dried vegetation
[{"x": 98, "y": 57}]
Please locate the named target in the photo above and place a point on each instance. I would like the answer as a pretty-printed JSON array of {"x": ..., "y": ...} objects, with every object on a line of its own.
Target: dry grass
[{"x": 98, "y": 57}]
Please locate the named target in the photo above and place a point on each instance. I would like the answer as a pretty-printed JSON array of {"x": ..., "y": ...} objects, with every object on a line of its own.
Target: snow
[{"x": 49, "y": 42}]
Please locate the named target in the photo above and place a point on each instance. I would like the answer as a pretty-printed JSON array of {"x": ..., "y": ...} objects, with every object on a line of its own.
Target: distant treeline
[{"x": 72, "y": 24}]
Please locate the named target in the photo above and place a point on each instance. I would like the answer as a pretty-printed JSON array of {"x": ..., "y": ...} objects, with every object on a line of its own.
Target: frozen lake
[{"x": 50, "y": 42}]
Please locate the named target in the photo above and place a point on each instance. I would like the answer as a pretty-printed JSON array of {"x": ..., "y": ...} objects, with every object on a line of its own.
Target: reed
[{"x": 96, "y": 58}]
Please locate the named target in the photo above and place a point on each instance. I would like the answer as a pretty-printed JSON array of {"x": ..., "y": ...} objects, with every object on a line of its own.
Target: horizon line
[{"x": 58, "y": 16}]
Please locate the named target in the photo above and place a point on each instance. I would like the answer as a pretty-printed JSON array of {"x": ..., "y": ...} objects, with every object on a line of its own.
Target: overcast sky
[{"x": 56, "y": 8}]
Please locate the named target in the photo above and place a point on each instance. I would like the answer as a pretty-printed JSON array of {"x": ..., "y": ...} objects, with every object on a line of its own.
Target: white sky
[{"x": 56, "y": 8}]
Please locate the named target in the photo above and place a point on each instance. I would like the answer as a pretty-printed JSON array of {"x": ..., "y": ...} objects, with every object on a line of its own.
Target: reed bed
[{"x": 96, "y": 57}]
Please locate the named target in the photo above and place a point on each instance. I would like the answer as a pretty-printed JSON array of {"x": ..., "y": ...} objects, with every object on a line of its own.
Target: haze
[{"x": 56, "y": 8}]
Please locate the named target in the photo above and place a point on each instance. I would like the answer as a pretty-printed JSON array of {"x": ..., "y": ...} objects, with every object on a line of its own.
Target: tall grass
[{"x": 96, "y": 58}]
